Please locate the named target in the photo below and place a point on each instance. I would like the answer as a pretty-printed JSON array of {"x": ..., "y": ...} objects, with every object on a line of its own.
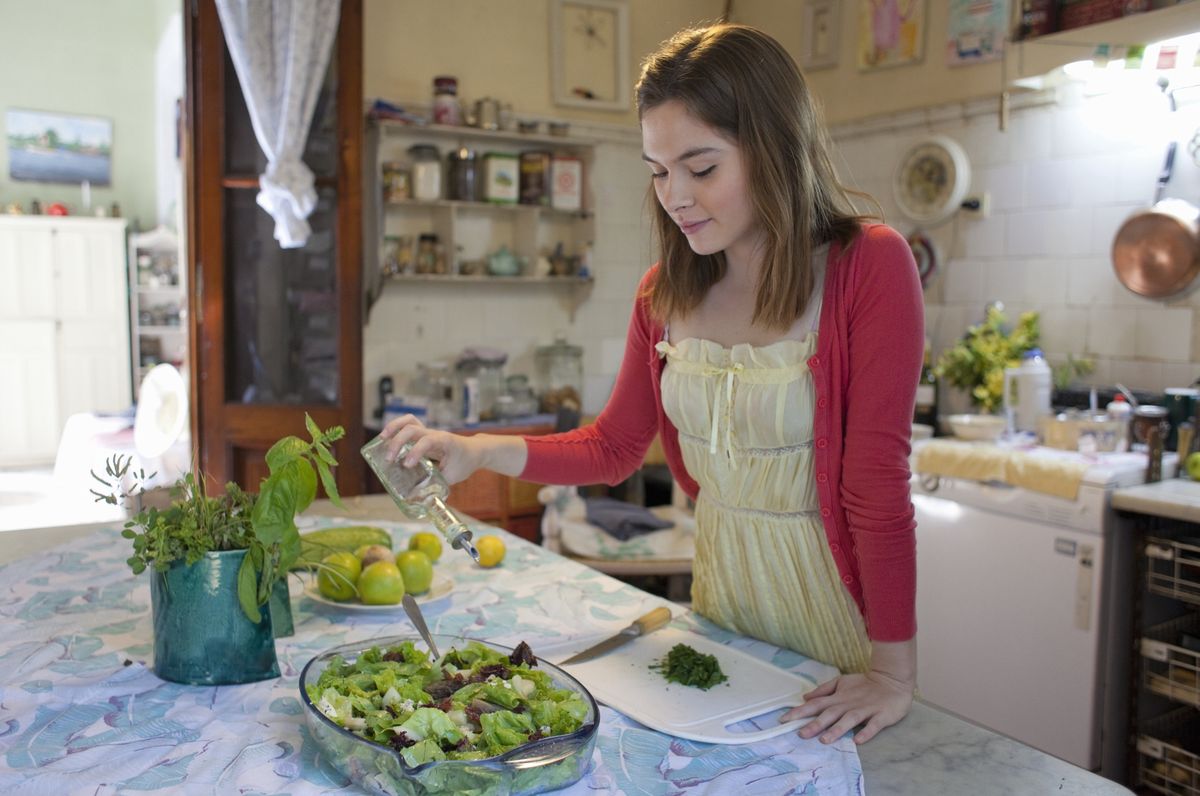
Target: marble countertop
[
  {"x": 1172, "y": 498},
  {"x": 930, "y": 751}
]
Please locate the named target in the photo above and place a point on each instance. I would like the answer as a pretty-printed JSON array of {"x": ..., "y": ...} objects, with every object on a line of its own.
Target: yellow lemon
[
  {"x": 416, "y": 569},
  {"x": 336, "y": 578},
  {"x": 428, "y": 543},
  {"x": 381, "y": 584},
  {"x": 491, "y": 550}
]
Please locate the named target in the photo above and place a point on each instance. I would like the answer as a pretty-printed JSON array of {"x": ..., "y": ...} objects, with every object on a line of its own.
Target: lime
[
  {"x": 368, "y": 554},
  {"x": 491, "y": 550},
  {"x": 1192, "y": 464},
  {"x": 416, "y": 569},
  {"x": 381, "y": 584},
  {"x": 428, "y": 543},
  {"x": 336, "y": 578}
]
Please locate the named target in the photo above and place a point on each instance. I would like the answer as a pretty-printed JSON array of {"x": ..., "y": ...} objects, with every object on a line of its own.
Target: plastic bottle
[
  {"x": 1027, "y": 391},
  {"x": 1120, "y": 411}
]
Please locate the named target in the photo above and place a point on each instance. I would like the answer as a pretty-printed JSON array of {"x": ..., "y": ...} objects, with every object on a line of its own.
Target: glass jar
[
  {"x": 560, "y": 375},
  {"x": 427, "y": 253},
  {"x": 446, "y": 109},
  {"x": 464, "y": 175},
  {"x": 525, "y": 403},
  {"x": 486, "y": 365},
  {"x": 426, "y": 172},
  {"x": 443, "y": 411}
]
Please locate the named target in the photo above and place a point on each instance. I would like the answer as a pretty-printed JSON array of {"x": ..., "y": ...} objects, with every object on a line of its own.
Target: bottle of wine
[
  {"x": 926, "y": 408},
  {"x": 419, "y": 492}
]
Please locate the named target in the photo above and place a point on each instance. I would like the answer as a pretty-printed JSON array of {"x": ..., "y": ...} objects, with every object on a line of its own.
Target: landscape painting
[{"x": 53, "y": 147}]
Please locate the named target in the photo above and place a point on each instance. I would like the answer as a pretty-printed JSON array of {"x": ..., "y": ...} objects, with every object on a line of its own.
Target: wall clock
[
  {"x": 932, "y": 180},
  {"x": 589, "y": 51}
]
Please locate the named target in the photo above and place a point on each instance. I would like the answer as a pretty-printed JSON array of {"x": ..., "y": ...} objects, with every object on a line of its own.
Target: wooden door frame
[{"x": 215, "y": 435}]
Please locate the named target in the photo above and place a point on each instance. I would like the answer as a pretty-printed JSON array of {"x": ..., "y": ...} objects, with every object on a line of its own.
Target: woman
[{"x": 776, "y": 348}]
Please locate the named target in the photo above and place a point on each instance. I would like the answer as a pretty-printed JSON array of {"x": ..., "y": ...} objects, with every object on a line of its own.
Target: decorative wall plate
[{"x": 932, "y": 180}]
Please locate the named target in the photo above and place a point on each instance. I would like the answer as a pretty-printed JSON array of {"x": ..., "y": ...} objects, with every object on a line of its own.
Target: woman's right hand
[{"x": 456, "y": 456}]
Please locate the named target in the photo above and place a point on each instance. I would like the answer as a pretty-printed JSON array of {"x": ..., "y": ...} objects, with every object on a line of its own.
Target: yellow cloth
[
  {"x": 1047, "y": 474},
  {"x": 763, "y": 566}
]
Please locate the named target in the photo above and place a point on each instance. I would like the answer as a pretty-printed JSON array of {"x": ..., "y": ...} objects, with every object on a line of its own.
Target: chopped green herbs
[
  {"x": 686, "y": 666},
  {"x": 470, "y": 704}
]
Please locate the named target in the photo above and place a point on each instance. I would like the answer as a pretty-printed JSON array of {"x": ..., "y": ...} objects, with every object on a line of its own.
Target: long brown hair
[{"x": 744, "y": 84}]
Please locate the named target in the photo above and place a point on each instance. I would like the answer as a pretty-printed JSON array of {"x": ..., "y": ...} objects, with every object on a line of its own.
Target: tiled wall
[{"x": 1071, "y": 166}]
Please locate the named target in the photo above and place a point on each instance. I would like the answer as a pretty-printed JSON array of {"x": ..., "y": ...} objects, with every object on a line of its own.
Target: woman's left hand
[
  {"x": 840, "y": 705},
  {"x": 877, "y": 699}
]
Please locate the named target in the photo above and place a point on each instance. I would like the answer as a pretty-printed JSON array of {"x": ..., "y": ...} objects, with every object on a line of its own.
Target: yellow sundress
[{"x": 763, "y": 566}]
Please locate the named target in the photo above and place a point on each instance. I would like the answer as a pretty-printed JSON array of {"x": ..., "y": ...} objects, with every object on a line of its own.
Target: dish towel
[
  {"x": 622, "y": 520},
  {"x": 992, "y": 463}
]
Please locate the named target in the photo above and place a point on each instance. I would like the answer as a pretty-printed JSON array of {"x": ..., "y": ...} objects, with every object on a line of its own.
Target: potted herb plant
[{"x": 217, "y": 560}]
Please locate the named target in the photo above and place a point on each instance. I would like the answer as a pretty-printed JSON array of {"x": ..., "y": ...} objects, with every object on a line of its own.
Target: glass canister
[
  {"x": 560, "y": 375},
  {"x": 426, "y": 172},
  {"x": 446, "y": 109},
  {"x": 464, "y": 175},
  {"x": 486, "y": 365}
]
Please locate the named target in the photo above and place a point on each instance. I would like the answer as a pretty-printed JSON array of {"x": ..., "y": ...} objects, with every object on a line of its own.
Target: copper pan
[{"x": 1156, "y": 253}]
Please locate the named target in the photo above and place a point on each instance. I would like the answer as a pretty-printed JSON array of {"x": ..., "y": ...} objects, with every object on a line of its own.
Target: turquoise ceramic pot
[
  {"x": 201, "y": 635},
  {"x": 281, "y": 610}
]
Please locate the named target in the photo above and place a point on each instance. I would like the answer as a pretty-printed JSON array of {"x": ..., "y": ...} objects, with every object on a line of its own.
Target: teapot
[{"x": 503, "y": 262}]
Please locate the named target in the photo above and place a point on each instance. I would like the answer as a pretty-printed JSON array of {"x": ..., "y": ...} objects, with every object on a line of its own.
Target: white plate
[{"x": 439, "y": 589}]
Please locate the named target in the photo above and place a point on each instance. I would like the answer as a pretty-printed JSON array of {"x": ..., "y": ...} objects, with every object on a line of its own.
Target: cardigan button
[
  {"x": 835, "y": 548},
  {"x": 822, "y": 403},
  {"x": 825, "y": 512},
  {"x": 814, "y": 362},
  {"x": 822, "y": 478},
  {"x": 847, "y": 579},
  {"x": 822, "y": 443}
]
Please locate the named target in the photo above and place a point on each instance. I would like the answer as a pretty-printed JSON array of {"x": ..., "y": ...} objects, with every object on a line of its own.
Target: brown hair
[{"x": 744, "y": 84}]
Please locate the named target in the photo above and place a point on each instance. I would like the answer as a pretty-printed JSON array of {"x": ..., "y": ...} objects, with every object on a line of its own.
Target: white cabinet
[
  {"x": 64, "y": 328},
  {"x": 468, "y": 232},
  {"x": 157, "y": 303}
]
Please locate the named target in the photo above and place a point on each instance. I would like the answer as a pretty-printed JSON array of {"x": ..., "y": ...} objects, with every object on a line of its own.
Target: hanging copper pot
[{"x": 1156, "y": 253}]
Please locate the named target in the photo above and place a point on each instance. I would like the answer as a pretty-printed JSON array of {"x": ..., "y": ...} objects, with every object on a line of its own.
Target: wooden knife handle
[{"x": 652, "y": 621}]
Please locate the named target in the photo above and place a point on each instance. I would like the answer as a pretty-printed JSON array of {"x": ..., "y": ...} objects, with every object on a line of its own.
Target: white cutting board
[{"x": 624, "y": 680}]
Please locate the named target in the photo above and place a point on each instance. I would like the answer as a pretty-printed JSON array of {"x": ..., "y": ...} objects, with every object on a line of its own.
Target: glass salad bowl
[{"x": 548, "y": 763}]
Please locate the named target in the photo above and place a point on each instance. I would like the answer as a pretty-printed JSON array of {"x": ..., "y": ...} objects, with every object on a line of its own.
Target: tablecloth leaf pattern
[{"x": 81, "y": 710}]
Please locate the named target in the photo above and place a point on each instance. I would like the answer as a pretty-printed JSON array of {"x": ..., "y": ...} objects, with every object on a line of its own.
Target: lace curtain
[{"x": 280, "y": 50}]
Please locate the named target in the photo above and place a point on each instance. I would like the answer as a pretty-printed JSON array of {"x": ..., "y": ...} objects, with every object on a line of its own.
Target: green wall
[{"x": 90, "y": 58}]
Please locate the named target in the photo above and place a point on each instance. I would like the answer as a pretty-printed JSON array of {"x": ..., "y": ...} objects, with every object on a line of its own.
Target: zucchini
[{"x": 315, "y": 545}]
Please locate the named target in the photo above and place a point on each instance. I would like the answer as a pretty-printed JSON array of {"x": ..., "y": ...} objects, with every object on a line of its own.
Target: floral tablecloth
[{"x": 81, "y": 710}]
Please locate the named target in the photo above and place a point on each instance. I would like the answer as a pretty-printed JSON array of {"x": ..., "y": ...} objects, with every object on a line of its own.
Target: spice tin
[
  {"x": 501, "y": 177},
  {"x": 566, "y": 187},
  {"x": 535, "y": 173}
]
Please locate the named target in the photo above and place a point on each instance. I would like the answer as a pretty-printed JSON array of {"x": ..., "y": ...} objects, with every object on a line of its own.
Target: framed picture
[
  {"x": 890, "y": 33},
  {"x": 976, "y": 30},
  {"x": 54, "y": 147},
  {"x": 589, "y": 53},
  {"x": 822, "y": 34}
]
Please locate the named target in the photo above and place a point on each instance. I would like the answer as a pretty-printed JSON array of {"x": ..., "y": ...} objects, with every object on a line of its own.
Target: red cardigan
[{"x": 870, "y": 346}]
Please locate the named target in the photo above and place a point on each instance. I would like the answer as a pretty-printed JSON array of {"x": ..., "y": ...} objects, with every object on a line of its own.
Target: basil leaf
[{"x": 246, "y": 591}]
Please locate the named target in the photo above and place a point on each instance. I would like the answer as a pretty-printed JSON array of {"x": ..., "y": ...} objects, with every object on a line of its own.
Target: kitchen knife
[{"x": 640, "y": 627}]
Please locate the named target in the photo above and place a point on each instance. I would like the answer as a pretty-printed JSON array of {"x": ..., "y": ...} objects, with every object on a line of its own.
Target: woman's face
[{"x": 701, "y": 182}]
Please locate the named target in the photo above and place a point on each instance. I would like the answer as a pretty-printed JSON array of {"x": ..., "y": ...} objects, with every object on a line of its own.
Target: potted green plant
[
  {"x": 216, "y": 561},
  {"x": 977, "y": 362}
]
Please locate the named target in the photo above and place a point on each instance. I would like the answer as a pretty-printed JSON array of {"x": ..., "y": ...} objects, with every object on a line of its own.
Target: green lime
[
  {"x": 416, "y": 569},
  {"x": 381, "y": 584},
  {"x": 336, "y": 578},
  {"x": 428, "y": 543}
]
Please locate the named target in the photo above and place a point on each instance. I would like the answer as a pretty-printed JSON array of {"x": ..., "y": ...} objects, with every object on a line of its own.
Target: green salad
[{"x": 470, "y": 704}]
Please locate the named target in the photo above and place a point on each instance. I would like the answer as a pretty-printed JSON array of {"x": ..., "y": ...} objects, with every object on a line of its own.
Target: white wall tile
[
  {"x": 1048, "y": 183},
  {"x": 1112, "y": 332},
  {"x": 1139, "y": 374},
  {"x": 1164, "y": 335},
  {"x": 982, "y": 237},
  {"x": 963, "y": 281},
  {"x": 1004, "y": 183},
  {"x": 1064, "y": 331}
]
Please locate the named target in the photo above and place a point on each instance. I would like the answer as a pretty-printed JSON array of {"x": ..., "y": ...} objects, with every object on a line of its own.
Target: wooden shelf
[
  {"x": 180, "y": 329},
  {"x": 1037, "y": 56},
  {"x": 485, "y": 206},
  {"x": 393, "y": 127},
  {"x": 492, "y": 280}
]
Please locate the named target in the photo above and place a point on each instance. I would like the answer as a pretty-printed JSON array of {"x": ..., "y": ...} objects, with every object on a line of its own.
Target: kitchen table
[{"x": 81, "y": 710}]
